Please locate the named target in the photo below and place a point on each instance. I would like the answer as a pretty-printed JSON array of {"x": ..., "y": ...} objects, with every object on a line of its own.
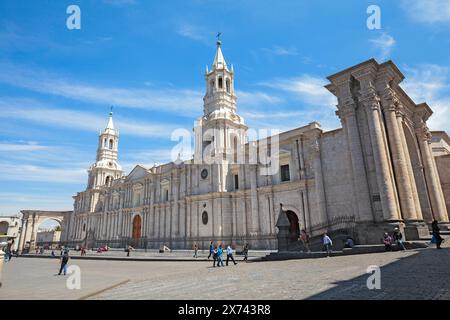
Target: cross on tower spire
[{"x": 218, "y": 38}]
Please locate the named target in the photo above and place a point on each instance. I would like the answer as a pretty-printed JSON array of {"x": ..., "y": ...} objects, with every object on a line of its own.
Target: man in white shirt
[
  {"x": 230, "y": 255},
  {"x": 327, "y": 243}
]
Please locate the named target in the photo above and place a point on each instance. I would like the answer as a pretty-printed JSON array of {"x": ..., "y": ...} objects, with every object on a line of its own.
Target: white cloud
[
  {"x": 431, "y": 83},
  {"x": 309, "y": 89},
  {"x": 429, "y": 11},
  {"x": 29, "y": 172},
  {"x": 27, "y": 146},
  {"x": 12, "y": 202},
  {"x": 194, "y": 32},
  {"x": 384, "y": 45},
  {"x": 31, "y": 110},
  {"x": 184, "y": 102},
  {"x": 255, "y": 98},
  {"x": 281, "y": 51}
]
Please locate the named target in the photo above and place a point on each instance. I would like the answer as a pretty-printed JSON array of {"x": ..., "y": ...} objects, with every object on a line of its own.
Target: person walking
[
  {"x": 387, "y": 240},
  {"x": 64, "y": 261},
  {"x": 436, "y": 234},
  {"x": 230, "y": 255},
  {"x": 8, "y": 251},
  {"x": 304, "y": 238},
  {"x": 398, "y": 238},
  {"x": 245, "y": 251},
  {"x": 214, "y": 254},
  {"x": 219, "y": 256},
  {"x": 211, "y": 250},
  {"x": 195, "y": 250},
  {"x": 327, "y": 243},
  {"x": 129, "y": 249},
  {"x": 83, "y": 251}
]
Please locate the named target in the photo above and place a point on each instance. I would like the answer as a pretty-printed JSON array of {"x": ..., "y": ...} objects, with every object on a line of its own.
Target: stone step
[{"x": 358, "y": 249}]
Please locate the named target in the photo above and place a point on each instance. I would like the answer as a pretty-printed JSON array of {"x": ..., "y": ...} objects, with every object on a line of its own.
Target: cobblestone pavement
[{"x": 416, "y": 274}]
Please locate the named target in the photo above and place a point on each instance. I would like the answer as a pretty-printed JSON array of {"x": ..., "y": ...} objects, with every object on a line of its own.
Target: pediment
[{"x": 137, "y": 173}]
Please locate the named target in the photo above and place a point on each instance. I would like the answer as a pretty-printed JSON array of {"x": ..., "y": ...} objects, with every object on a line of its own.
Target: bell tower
[
  {"x": 106, "y": 168},
  {"x": 220, "y": 130}
]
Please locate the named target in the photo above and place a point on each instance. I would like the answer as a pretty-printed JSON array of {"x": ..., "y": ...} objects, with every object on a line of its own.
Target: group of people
[
  {"x": 396, "y": 238},
  {"x": 326, "y": 242},
  {"x": 216, "y": 252}
]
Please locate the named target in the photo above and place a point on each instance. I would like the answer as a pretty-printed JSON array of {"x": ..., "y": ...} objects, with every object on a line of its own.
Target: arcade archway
[{"x": 32, "y": 219}]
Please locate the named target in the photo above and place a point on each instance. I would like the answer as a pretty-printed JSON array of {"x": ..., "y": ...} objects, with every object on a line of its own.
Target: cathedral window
[
  {"x": 228, "y": 85},
  {"x": 236, "y": 182},
  {"x": 205, "y": 217},
  {"x": 211, "y": 86},
  {"x": 166, "y": 195},
  {"x": 285, "y": 176},
  {"x": 220, "y": 83},
  {"x": 111, "y": 143},
  {"x": 108, "y": 181}
]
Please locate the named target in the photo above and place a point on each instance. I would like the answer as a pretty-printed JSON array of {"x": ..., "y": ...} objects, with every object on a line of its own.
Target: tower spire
[
  {"x": 106, "y": 168},
  {"x": 110, "y": 120},
  {"x": 219, "y": 60}
]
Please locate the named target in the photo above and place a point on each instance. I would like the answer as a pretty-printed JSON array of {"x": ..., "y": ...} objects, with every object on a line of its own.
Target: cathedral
[{"x": 375, "y": 172}]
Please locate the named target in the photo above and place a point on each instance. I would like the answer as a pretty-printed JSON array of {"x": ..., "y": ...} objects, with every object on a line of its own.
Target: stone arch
[
  {"x": 295, "y": 219},
  {"x": 31, "y": 219},
  {"x": 41, "y": 221}
]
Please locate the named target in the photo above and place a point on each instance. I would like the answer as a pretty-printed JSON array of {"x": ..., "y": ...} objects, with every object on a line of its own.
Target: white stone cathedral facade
[{"x": 375, "y": 172}]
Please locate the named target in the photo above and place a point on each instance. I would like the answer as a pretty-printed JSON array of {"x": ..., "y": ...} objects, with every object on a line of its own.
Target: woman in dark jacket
[{"x": 436, "y": 233}]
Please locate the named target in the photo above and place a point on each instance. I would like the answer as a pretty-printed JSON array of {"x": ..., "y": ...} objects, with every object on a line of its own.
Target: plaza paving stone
[{"x": 416, "y": 274}]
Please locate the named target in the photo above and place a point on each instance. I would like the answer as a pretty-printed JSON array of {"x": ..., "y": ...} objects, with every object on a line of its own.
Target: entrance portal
[
  {"x": 137, "y": 227},
  {"x": 294, "y": 228}
]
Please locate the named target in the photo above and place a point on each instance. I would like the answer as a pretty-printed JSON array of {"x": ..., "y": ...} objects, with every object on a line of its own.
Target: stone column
[
  {"x": 407, "y": 204},
  {"x": 347, "y": 113},
  {"x": 175, "y": 209},
  {"x": 254, "y": 199},
  {"x": 23, "y": 233},
  {"x": 384, "y": 179},
  {"x": 33, "y": 232},
  {"x": 431, "y": 176},
  {"x": 318, "y": 181},
  {"x": 412, "y": 180}
]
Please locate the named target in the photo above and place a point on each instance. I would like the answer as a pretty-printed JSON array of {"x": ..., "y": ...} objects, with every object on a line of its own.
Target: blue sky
[{"x": 147, "y": 58}]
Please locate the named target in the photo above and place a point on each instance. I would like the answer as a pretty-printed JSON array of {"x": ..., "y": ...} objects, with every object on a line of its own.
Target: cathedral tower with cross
[
  {"x": 220, "y": 131},
  {"x": 106, "y": 168}
]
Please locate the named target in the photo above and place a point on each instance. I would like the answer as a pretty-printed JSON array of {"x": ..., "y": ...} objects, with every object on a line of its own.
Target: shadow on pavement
[{"x": 422, "y": 276}]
